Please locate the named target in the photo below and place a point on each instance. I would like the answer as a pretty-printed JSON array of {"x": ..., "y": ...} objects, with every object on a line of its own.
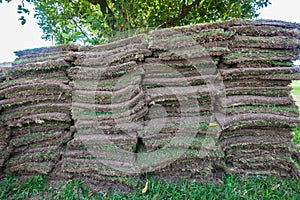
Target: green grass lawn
[
  {"x": 296, "y": 95},
  {"x": 296, "y": 92},
  {"x": 231, "y": 186}
]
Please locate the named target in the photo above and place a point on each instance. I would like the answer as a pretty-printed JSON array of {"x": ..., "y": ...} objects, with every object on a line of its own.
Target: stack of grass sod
[
  {"x": 35, "y": 110},
  {"x": 107, "y": 107},
  {"x": 182, "y": 103},
  {"x": 178, "y": 82},
  {"x": 260, "y": 112}
]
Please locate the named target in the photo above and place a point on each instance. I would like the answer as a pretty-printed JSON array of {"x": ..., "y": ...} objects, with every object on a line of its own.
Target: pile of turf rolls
[
  {"x": 35, "y": 101},
  {"x": 184, "y": 103}
]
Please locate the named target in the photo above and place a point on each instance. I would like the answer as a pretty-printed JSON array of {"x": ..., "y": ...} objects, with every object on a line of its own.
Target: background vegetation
[{"x": 94, "y": 21}]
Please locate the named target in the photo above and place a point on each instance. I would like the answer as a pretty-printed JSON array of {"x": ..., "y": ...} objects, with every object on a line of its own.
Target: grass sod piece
[
  {"x": 265, "y": 43},
  {"x": 270, "y": 164},
  {"x": 109, "y": 113},
  {"x": 100, "y": 59},
  {"x": 122, "y": 154},
  {"x": 37, "y": 89},
  {"x": 260, "y": 131},
  {"x": 271, "y": 63},
  {"x": 44, "y": 70},
  {"x": 242, "y": 56},
  {"x": 45, "y": 51},
  {"x": 31, "y": 100},
  {"x": 93, "y": 167},
  {"x": 259, "y": 92},
  {"x": 33, "y": 157},
  {"x": 32, "y": 128},
  {"x": 182, "y": 141},
  {"x": 253, "y": 140},
  {"x": 284, "y": 110},
  {"x": 109, "y": 72},
  {"x": 107, "y": 97},
  {"x": 15, "y": 114},
  {"x": 192, "y": 126},
  {"x": 42, "y": 168},
  {"x": 254, "y": 82},
  {"x": 241, "y": 100},
  {"x": 231, "y": 74},
  {"x": 36, "y": 138},
  {"x": 155, "y": 35},
  {"x": 39, "y": 58},
  {"x": 106, "y": 85},
  {"x": 265, "y": 30},
  {"x": 56, "y": 77},
  {"x": 186, "y": 68},
  {"x": 259, "y": 123}
]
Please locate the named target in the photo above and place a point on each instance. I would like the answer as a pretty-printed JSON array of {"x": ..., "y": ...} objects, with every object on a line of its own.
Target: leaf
[
  {"x": 212, "y": 124},
  {"x": 220, "y": 181},
  {"x": 145, "y": 189},
  {"x": 23, "y": 20},
  {"x": 91, "y": 194},
  {"x": 72, "y": 25},
  {"x": 65, "y": 35}
]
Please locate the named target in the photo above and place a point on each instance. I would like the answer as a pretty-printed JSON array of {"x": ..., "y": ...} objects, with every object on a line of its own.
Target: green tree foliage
[{"x": 94, "y": 21}]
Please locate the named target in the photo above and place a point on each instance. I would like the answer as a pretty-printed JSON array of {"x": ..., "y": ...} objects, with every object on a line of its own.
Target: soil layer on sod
[{"x": 187, "y": 103}]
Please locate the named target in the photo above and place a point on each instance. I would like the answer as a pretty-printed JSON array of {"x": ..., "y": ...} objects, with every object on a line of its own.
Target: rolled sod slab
[
  {"x": 37, "y": 52},
  {"x": 268, "y": 166},
  {"x": 35, "y": 155},
  {"x": 45, "y": 66},
  {"x": 107, "y": 97},
  {"x": 252, "y": 82},
  {"x": 240, "y": 100},
  {"x": 16, "y": 113},
  {"x": 38, "y": 138},
  {"x": 98, "y": 182},
  {"x": 266, "y": 31},
  {"x": 188, "y": 168},
  {"x": 258, "y": 64},
  {"x": 93, "y": 127},
  {"x": 101, "y": 72},
  {"x": 94, "y": 59},
  {"x": 259, "y": 91},
  {"x": 234, "y": 121},
  {"x": 112, "y": 120},
  {"x": 38, "y": 88},
  {"x": 32, "y": 128},
  {"x": 18, "y": 102},
  {"x": 241, "y": 55},
  {"x": 277, "y": 42},
  {"x": 67, "y": 56},
  {"x": 290, "y": 110},
  {"x": 5, "y": 153},
  {"x": 42, "y": 168},
  {"x": 266, "y": 131},
  {"x": 133, "y": 41}
]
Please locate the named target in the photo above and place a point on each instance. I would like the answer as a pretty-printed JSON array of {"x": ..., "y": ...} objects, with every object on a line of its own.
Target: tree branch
[
  {"x": 79, "y": 27},
  {"x": 184, "y": 11}
]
